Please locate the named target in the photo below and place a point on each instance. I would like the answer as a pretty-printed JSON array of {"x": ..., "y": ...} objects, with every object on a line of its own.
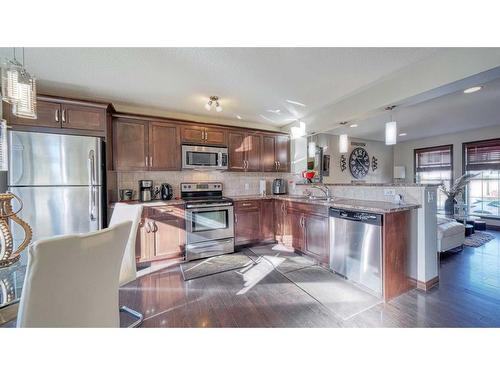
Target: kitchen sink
[{"x": 311, "y": 198}]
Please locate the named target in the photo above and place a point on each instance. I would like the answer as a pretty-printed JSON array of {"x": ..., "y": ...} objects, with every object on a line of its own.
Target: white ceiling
[
  {"x": 454, "y": 112},
  {"x": 250, "y": 81}
]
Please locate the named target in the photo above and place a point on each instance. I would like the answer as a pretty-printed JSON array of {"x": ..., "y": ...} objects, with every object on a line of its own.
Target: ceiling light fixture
[
  {"x": 19, "y": 88},
  {"x": 213, "y": 99},
  {"x": 402, "y": 134},
  {"x": 238, "y": 117},
  {"x": 353, "y": 125},
  {"x": 391, "y": 129},
  {"x": 470, "y": 90}
]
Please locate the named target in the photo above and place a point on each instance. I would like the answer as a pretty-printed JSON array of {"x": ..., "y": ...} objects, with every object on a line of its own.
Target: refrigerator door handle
[{"x": 92, "y": 200}]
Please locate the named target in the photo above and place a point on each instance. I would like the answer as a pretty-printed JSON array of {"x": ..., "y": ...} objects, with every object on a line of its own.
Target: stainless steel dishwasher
[{"x": 356, "y": 247}]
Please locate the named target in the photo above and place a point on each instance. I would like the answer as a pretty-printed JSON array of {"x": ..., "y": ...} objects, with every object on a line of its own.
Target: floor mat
[
  {"x": 339, "y": 295},
  {"x": 478, "y": 239},
  {"x": 213, "y": 265}
]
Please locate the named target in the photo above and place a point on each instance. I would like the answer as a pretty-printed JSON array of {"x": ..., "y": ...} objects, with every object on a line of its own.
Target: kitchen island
[{"x": 302, "y": 224}]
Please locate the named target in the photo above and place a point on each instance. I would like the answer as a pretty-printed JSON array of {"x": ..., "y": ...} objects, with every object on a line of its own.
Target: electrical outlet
[
  {"x": 247, "y": 186},
  {"x": 389, "y": 192}
]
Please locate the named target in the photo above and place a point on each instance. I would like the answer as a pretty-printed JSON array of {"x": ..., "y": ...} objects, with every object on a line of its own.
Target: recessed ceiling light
[
  {"x": 353, "y": 125},
  {"x": 266, "y": 118},
  {"x": 402, "y": 134},
  {"x": 238, "y": 117},
  {"x": 470, "y": 90},
  {"x": 295, "y": 102},
  {"x": 274, "y": 110}
]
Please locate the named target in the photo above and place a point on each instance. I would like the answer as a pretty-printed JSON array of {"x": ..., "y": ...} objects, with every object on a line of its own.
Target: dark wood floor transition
[{"x": 269, "y": 296}]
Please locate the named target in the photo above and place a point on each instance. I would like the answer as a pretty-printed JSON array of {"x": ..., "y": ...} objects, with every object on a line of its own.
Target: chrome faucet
[{"x": 324, "y": 189}]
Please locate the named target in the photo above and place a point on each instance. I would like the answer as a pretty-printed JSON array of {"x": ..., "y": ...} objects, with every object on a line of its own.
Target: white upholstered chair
[
  {"x": 128, "y": 212},
  {"x": 73, "y": 280}
]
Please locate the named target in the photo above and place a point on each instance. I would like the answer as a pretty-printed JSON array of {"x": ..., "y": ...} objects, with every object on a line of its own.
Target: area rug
[
  {"x": 478, "y": 239},
  {"x": 210, "y": 266}
]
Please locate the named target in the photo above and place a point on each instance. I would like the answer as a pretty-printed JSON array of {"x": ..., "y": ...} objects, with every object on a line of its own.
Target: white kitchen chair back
[
  {"x": 73, "y": 281},
  {"x": 125, "y": 212}
]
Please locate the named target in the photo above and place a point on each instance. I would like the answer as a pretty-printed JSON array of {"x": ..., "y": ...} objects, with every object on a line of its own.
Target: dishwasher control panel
[{"x": 367, "y": 217}]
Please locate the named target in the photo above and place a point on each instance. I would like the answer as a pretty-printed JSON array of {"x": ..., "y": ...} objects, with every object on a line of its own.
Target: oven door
[
  {"x": 201, "y": 157},
  {"x": 209, "y": 223}
]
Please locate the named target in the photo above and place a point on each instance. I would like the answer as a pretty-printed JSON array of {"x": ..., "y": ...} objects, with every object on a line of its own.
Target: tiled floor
[{"x": 291, "y": 291}]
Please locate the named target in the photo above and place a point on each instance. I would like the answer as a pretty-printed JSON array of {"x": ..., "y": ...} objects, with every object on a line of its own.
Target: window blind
[
  {"x": 483, "y": 155},
  {"x": 433, "y": 159}
]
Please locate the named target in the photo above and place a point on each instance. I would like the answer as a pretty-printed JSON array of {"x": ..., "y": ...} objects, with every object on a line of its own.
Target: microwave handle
[{"x": 220, "y": 159}]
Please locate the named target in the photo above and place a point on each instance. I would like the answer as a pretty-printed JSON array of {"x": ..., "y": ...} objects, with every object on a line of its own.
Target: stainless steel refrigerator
[{"x": 59, "y": 179}]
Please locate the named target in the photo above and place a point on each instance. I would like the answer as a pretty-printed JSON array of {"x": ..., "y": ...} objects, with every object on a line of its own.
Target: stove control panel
[{"x": 200, "y": 186}]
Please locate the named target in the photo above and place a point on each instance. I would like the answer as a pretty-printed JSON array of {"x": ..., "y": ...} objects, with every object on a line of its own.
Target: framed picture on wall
[{"x": 326, "y": 165}]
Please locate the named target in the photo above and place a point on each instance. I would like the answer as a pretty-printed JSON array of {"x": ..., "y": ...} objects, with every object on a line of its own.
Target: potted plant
[{"x": 456, "y": 189}]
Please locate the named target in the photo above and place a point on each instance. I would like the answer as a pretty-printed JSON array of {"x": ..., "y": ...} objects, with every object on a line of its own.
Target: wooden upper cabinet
[
  {"x": 164, "y": 147},
  {"x": 244, "y": 151},
  {"x": 130, "y": 145},
  {"x": 192, "y": 134},
  {"x": 83, "y": 117},
  {"x": 215, "y": 136},
  {"x": 283, "y": 153},
  {"x": 253, "y": 151},
  {"x": 236, "y": 150},
  {"x": 268, "y": 158},
  {"x": 48, "y": 115},
  {"x": 196, "y": 134}
]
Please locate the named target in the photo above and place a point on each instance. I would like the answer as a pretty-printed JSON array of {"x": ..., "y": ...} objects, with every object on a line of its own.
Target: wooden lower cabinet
[
  {"x": 316, "y": 241},
  {"x": 303, "y": 227},
  {"x": 247, "y": 222},
  {"x": 161, "y": 234}
]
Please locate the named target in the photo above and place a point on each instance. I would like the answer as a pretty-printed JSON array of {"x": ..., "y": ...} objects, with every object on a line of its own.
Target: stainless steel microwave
[{"x": 204, "y": 157}]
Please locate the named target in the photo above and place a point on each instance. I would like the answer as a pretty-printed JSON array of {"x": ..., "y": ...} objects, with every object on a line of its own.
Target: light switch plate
[{"x": 389, "y": 192}]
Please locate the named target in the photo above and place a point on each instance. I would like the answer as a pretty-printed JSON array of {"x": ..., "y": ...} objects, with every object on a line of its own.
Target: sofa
[{"x": 450, "y": 235}]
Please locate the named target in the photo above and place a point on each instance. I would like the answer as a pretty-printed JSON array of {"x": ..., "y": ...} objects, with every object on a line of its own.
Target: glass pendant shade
[
  {"x": 343, "y": 143},
  {"x": 218, "y": 108},
  {"x": 4, "y": 161},
  {"x": 26, "y": 107},
  {"x": 11, "y": 72},
  {"x": 391, "y": 131}
]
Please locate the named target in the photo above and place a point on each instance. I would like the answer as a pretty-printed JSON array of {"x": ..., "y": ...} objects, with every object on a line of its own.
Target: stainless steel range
[{"x": 209, "y": 220}]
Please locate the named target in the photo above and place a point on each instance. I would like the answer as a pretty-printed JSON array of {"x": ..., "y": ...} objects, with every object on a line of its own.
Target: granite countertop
[
  {"x": 343, "y": 203},
  {"x": 172, "y": 202},
  {"x": 371, "y": 184}
]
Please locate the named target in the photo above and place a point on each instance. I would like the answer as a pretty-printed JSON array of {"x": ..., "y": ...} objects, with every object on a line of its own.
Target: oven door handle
[
  {"x": 208, "y": 244},
  {"x": 209, "y": 205}
]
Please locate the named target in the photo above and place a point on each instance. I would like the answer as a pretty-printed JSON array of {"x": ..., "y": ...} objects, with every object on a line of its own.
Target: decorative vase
[
  {"x": 8, "y": 255},
  {"x": 449, "y": 206}
]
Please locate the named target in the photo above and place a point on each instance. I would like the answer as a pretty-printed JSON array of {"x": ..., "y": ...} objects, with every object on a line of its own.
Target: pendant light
[
  {"x": 212, "y": 100},
  {"x": 19, "y": 88},
  {"x": 391, "y": 129}
]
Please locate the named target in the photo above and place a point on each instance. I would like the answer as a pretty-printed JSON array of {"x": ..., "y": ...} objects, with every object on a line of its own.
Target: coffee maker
[{"x": 145, "y": 190}]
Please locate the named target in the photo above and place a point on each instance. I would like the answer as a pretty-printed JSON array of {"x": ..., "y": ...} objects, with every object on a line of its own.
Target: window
[
  {"x": 483, "y": 158},
  {"x": 434, "y": 165}
]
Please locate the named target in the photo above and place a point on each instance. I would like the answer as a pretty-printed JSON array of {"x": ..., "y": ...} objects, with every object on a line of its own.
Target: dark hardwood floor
[{"x": 468, "y": 295}]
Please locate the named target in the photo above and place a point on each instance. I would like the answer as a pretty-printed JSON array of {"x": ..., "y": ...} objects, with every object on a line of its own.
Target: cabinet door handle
[
  {"x": 56, "y": 117},
  {"x": 146, "y": 227},
  {"x": 146, "y": 161},
  {"x": 246, "y": 204},
  {"x": 235, "y": 218},
  {"x": 63, "y": 115},
  {"x": 150, "y": 161},
  {"x": 155, "y": 227}
]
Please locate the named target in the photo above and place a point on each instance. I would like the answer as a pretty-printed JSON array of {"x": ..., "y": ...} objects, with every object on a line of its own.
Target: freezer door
[
  {"x": 53, "y": 211},
  {"x": 53, "y": 159}
]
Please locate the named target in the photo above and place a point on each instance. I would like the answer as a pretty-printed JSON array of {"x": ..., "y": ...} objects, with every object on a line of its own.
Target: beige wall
[
  {"x": 403, "y": 152},
  {"x": 330, "y": 144}
]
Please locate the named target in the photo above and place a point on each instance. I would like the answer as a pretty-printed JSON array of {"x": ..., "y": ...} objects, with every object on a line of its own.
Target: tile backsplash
[{"x": 235, "y": 183}]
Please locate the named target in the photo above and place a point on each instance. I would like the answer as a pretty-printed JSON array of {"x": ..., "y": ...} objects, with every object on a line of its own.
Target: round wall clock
[{"x": 359, "y": 162}]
